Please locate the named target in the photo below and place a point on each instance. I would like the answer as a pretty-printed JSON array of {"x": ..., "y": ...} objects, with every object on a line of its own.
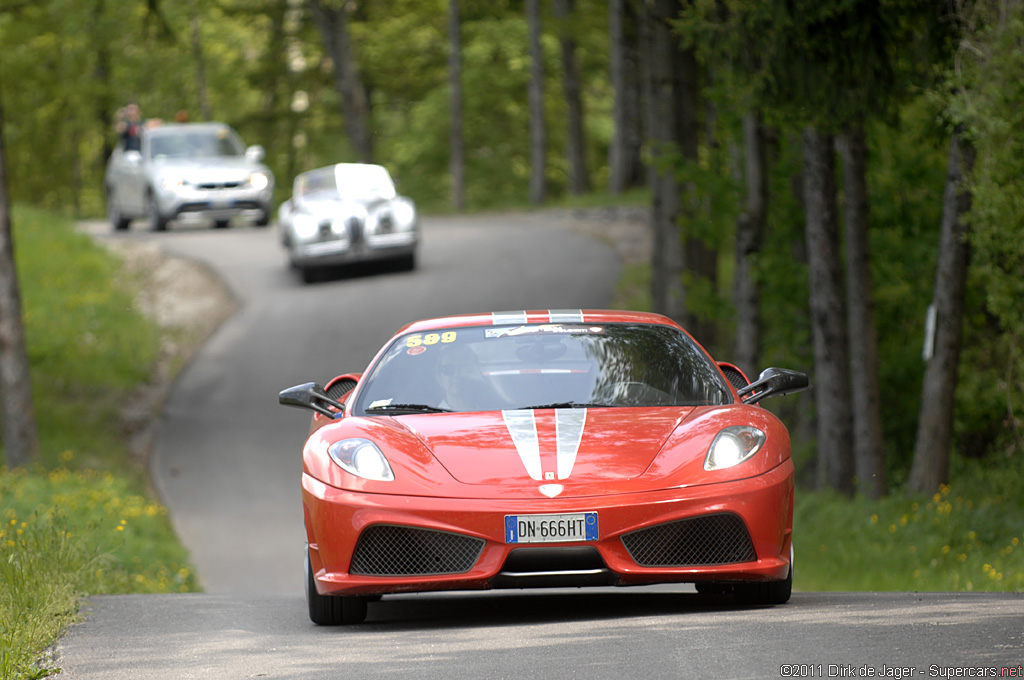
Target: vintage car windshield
[
  {"x": 540, "y": 366},
  {"x": 191, "y": 143},
  {"x": 339, "y": 182}
]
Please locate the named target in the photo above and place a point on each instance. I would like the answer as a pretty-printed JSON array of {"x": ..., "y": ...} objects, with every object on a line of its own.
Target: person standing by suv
[{"x": 129, "y": 126}]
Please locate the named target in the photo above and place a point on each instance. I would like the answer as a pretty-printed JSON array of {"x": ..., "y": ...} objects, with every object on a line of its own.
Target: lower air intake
[
  {"x": 699, "y": 541},
  {"x": 386, "y": 550}
]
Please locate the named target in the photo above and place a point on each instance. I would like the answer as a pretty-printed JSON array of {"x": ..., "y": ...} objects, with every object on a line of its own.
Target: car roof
[
  {"x": 590, "y": 316},
  {"x": 172, "y": 128}
]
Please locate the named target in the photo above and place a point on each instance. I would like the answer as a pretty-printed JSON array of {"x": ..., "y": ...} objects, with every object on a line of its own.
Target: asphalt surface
[{"x": 226, "y": 462}]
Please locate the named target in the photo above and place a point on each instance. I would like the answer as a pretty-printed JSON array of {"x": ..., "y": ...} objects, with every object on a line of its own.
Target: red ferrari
[{"x": 539, "y": 449}]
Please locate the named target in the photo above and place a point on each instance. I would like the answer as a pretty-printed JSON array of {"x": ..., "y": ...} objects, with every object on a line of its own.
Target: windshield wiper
[
  {"x": 408, "y": 408},
  {"x": 566, "y": 404}
]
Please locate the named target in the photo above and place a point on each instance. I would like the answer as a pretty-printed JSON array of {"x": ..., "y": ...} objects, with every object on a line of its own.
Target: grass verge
[{"x": 81, "y": 520}]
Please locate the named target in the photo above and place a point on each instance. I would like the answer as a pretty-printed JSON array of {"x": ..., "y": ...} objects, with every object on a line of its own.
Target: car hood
[
  {"x": 203, "y": 170},
  {"x": 577, "y": 446},
  {"x": 323, "y": 208}
]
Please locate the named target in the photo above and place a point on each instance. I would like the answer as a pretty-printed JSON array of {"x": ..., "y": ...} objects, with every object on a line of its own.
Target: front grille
[
  {"x": 699, "y": 541},
  {"x": 386, "y": 550},
  {"x": 355, "y": 226}
]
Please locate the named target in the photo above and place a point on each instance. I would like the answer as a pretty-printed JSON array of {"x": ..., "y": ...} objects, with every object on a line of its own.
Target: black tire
[
  {"x": 332, "y": 610},
  {"x": 310, "y": 274},
  {"x": 114, "y": 214},
  {"x": 264, "y": 219},
  {"x": 157, "y": 222},
  {"x": 768, "y": 593},
  {"x": 221, "y": 224},
  {"x": 406, "y": 263}
]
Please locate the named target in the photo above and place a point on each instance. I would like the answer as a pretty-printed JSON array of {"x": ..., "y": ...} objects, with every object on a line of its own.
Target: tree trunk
[
  {"x": 749, "y": 231},
  {"x": 864, "y": 364},
  {"x": 538, "y": 130},
  {"x": 355, "y": 108},
  {"x": 19, "y": 424},
  {"x": 456, "y": 162},
  {"x": 579, "y": 180},
  {"x": 828, "y": 315},
  {"x": 700, "y": 255},
  {"x": 202, "y": 90},
  {"x": 930, "y": 468},
  {"x": 668, "y": 295},
  {"x": 625, "y": 163}
]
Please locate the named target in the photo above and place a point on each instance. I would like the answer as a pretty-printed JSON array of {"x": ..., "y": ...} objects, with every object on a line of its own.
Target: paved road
[
  {"x": 605, "y": 634},
  {"x": 226, "y": 461}
]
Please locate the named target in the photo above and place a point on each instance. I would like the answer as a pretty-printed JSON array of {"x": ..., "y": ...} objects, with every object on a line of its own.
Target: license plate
[{"x": 577, "y": 526}]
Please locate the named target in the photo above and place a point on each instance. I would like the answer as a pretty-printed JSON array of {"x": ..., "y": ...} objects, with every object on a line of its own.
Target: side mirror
[
  {"x": 255, "y": 153},
  {"x": 311, "y": 396},
  {"x": 774, "y": 382}
]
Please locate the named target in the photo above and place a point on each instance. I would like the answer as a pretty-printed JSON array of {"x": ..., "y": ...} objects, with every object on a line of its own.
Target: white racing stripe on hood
[
  {"x": 520, "y": 318},
  {"x": 569, "y": 430},
  {"x": 566, "y": 315},
  {"x": 522, "y": 426},
  {"x": 508, "y": 318}
]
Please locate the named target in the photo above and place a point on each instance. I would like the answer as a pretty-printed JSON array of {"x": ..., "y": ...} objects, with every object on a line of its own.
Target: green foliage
[
  {"x": 88, "y": 346},
  {"x": 82, "y": 522},
  {"x": 66, "y": 534},
  {"x": 988, "y": 101},
  {"x": 968, "y": 536}
]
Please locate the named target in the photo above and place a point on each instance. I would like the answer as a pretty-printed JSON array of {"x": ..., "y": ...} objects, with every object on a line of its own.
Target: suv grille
[
  {"x": 386, "y": 550},
  {"x": 712, "y": 539}
]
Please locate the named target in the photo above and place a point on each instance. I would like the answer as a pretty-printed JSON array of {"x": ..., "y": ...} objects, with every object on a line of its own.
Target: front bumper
[
  {"x": 762, "y": 507},
  {"x": 344, "y": 251},
  {"x": 188, "y": 204}
]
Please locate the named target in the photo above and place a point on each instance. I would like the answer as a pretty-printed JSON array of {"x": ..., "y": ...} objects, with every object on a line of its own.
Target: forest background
[{"x": 745, "y": 125}]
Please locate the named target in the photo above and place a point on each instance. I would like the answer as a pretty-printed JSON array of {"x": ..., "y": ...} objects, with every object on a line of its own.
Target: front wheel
[
  {"x": 114, "y": 214},
  {"x": 157, "y": 222},
  {"x": 772, "y": 592},
  {"x": 332, "y": 610}
]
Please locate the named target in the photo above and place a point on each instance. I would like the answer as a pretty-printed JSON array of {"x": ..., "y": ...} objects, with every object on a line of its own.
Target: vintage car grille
[
  {"x": 216, "y": 186},
  {"x": 355, "y": 227},
  {"x": 712, "y": 539},
  {"x": 387, "y": 550}
]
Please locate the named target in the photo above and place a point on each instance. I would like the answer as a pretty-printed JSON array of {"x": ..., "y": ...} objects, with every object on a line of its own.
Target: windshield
[
  {"x": 207, "y": 143},
  {"x": 352, "y": 181},
  {"x": 541, "y": 366}
]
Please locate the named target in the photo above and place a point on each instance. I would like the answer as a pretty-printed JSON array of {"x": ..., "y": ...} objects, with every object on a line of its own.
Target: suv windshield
[
  {"x": 540, "y": 366},
  {"x": 191, "y": 143}
]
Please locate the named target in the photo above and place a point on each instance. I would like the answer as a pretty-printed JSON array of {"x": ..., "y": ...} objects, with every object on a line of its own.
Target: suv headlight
[
  {"x": 171, "y": 183},
  {"x": 732, "y": 446},
  {"x": 259, "y": 181}
]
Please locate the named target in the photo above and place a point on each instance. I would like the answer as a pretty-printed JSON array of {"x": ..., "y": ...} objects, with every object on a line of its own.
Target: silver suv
[{"x": 188, "y": 172}]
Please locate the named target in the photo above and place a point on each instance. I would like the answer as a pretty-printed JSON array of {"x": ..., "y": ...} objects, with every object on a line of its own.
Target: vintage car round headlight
[{"x": 404, "y": 211}]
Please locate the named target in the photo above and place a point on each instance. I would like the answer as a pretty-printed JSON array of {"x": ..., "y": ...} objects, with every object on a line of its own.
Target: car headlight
[
  {"x": 362, "y": 458},
  {"x": 171, "y": 183},
  {"x": 732, "y": 446},
  {"x": 404, "y": 212},
  {"x": 305, "y": 225},
  {"x": 259, "y": 181}
]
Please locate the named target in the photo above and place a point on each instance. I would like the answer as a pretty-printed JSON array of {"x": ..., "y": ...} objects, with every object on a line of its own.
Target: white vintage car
[
  {"x": 188, "y": 172},
  {"x": 344, "y": 213}
]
